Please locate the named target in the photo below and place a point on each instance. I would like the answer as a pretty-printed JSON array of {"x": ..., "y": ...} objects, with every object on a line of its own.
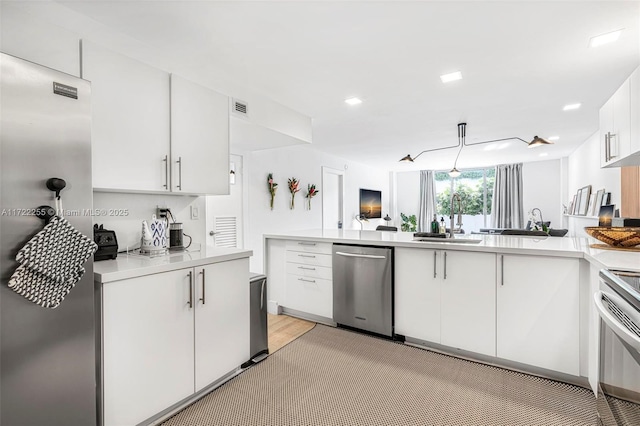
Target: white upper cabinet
[
  {"x": 130, "y": 121},
  {"x": 199, "y": 139},
  {"x": 620, "y": 125}
]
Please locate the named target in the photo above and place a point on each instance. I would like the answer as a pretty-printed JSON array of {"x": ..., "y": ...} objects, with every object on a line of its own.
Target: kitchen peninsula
[
  {"x": 171, "y": 328},
  {"x": 516, "y": 301}
]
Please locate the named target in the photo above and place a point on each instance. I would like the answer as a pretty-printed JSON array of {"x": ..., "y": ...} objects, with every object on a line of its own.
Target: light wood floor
[{"x": 284, "y": 329}]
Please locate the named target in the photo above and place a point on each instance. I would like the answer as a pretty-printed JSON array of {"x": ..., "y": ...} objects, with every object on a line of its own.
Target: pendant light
[{"x": 462, "y": 133}]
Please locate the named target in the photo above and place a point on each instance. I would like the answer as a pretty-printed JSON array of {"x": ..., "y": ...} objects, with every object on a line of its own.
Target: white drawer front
[
  {"x": 309, "y": 246},
  {"x": 309, "y": 258},
  {"x": 310, "y": 295},
  {"x": 309, "y": 271}
]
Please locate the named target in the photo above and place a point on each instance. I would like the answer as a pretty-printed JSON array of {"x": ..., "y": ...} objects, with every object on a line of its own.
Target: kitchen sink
[{"x": 448, "y": 240}]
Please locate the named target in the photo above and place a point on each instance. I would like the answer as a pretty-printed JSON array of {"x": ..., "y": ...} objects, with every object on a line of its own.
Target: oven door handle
[{"x": 614, "y": 323}]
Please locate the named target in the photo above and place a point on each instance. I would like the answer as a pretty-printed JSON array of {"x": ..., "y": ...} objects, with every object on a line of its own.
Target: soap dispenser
[
  {"x": 443, "y": 227},
  {"x": 434, "y": 224}
]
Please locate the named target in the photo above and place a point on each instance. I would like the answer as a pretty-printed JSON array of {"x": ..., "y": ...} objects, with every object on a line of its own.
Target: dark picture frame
[{"x": 370, "y": 203}]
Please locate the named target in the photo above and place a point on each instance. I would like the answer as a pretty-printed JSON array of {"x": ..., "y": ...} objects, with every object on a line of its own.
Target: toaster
[{"x": 107, "y": 243}]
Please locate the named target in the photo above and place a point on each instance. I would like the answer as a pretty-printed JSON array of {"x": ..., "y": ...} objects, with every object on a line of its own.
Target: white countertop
[
  {"x": 135, "y": 265},
  {"x": 535, "y": 246}
]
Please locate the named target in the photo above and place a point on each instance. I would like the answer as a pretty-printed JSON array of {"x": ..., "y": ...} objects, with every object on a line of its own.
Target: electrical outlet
[
  {"x": 161, "y": 212},
  {"x": 195, "y": 213}
]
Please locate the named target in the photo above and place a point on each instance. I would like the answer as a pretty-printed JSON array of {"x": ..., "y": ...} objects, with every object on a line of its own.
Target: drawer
[
  {"x": 310, "y": 295},
  {"x": 309, "y": 271},
  {"x": 309, "y": 246},
  {"x": 307, "y": 258}
]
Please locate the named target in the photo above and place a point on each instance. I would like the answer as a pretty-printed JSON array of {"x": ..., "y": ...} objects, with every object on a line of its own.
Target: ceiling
[{"x": 521, "y": 63}]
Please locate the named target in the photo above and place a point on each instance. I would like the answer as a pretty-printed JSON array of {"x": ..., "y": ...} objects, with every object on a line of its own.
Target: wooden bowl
[{"x": 616, "y": 237}]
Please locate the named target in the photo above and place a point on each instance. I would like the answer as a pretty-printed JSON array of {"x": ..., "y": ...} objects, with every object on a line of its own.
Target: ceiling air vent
[{"x": 240, "y": 107}]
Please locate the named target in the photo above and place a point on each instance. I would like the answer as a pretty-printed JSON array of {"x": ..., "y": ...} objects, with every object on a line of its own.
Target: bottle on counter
[
  {"x": 434, "y": 224},
  {"x": 443, "y": 227}
]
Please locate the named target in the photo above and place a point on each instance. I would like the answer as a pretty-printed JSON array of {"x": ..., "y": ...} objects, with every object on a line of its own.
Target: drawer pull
[
  {"x": 308, "y": 269},
  {"x": 307, "y": 244},
  {"x": 307, "y": 281},
  {"x": 306, "y": 255}
]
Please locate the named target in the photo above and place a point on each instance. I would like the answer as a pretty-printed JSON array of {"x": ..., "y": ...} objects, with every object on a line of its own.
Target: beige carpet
[{"x": 335, "y": 377}]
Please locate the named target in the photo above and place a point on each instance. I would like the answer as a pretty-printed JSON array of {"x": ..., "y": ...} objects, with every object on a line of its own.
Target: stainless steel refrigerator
[{"x": 47, "y": 356}]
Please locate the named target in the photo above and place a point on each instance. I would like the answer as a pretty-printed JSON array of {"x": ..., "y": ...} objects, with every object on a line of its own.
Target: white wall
[
  {"x": 584, "y": 169},
  {"x": 407, "y": 195},
  {"x": 140, "y": 207},
  {"x": 542, "y": 188},
  {"x": 305, "y": 164}
]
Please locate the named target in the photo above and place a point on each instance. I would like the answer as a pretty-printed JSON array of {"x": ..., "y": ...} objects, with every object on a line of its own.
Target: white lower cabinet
[
  {"x": 221, "y": 319},
  {"x": 166, "y": 336},
  {"x": 538, "y": 312},
  {"x": 446, "y": 297},
  {"x": 309, "y": 278}
]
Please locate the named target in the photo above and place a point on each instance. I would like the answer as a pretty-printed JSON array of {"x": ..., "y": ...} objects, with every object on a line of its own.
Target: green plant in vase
[
  {"x": 409, "y": 223},
  {"x": 293, "y": 188},
  {"x": 272, "y": 188}
]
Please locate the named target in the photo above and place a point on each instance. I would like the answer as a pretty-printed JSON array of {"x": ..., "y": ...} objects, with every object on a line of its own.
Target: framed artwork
[
  {"x": 370, "y": 203},
  {"x": 572, "y": 207},
  {"x": 592, "y": 202},
  {"x": 606, "y": 199},
  {"x": 576, "y": 207},
  {"x": 598, "y": 202},
  {"x": 584, "y": 200},
  {"x": 605, "y": 215}
]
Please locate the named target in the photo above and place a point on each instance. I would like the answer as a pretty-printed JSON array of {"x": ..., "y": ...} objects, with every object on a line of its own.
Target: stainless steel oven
[{"x": 617, "y": 303}]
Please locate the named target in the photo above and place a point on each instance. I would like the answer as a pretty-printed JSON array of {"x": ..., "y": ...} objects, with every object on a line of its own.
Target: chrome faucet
[
  {"x": 455, "y": 196},
  {"x": 534, "y": 224}
]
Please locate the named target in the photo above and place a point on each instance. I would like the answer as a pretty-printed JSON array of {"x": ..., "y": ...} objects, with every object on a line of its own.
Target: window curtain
[
  {"x": 506, "y": 207},
  {"x": 427, "y": 200}
]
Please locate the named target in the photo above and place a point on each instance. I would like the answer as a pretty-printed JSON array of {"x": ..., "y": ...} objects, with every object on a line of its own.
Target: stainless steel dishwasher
[{"x": 363, "y": 288}]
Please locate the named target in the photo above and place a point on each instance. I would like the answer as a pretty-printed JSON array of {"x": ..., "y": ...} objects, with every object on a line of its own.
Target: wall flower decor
[
  {"x": 272, "y": 188},
  {"x": 293, "y": 188},
  {"x": 311, "y": 192}
]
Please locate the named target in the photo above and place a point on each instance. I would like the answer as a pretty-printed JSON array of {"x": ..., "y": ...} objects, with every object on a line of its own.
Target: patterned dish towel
[{"x": 51, "y": 263}]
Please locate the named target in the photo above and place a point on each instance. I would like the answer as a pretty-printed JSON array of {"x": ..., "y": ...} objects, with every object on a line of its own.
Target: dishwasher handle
[{"x": 363, "y": 256}]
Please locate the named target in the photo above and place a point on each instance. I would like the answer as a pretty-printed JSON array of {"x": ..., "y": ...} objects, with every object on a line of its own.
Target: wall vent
[
  {"x": 240, "y": 108},
  {"x": 225, "y": 231}
]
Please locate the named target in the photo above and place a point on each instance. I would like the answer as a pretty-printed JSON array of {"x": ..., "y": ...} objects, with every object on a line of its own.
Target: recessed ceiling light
[
  {"x": 571, "y": 106},
  {"x": 553, "y": 138},
  {"x": 353, "y": 101},
  {"x": 544, "y": 154},
  {"x": 451, "y": 77},
  {"x": 604, "y": 38}
]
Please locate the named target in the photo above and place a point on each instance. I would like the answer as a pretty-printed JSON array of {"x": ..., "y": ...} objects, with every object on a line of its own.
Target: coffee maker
[{"x": 176, "y": 237}]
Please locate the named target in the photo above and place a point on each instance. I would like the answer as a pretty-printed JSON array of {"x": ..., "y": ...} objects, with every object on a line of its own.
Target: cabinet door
[
  {"x": 634, "y": 109},
  {"x": 309, "y": 294},
  {"x": 606, "y": 127},
  {"x": 417, "y": 293},
  {"x": 538, "y": 312},
  {"x": 468, "y": 301},
  {"x": 621, "y": 133},
  {"x": 130, "y": 121},
  {"x": 147, "y": 346},
  {"x": 199, "y": 139},
  {"x": 222, "y": 319}
]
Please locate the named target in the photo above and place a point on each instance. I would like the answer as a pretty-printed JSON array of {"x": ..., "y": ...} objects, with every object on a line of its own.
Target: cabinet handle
[
  {"x": 190, "y": 302},
  {"x": 166, "y": 172},
  {"x": 307, "y": 244},
  {"x": 307, "y": 281},
  {"x": 308, "y": 269},
  {"x": 262, "y": 293},
  {"x": 501, "y": 270},
  {"x": 306, "y": 255},
  {"x": 179, "y": 185},
  {"x": 435, "y": 270},
  {"x": 611, "y": 135},
  {"x": 445, "y": 265},
  {"x": 203, "y": 286}
]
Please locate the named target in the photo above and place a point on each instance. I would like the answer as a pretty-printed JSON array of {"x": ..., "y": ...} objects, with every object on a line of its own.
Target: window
[{"x": 476, "y": 191}]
